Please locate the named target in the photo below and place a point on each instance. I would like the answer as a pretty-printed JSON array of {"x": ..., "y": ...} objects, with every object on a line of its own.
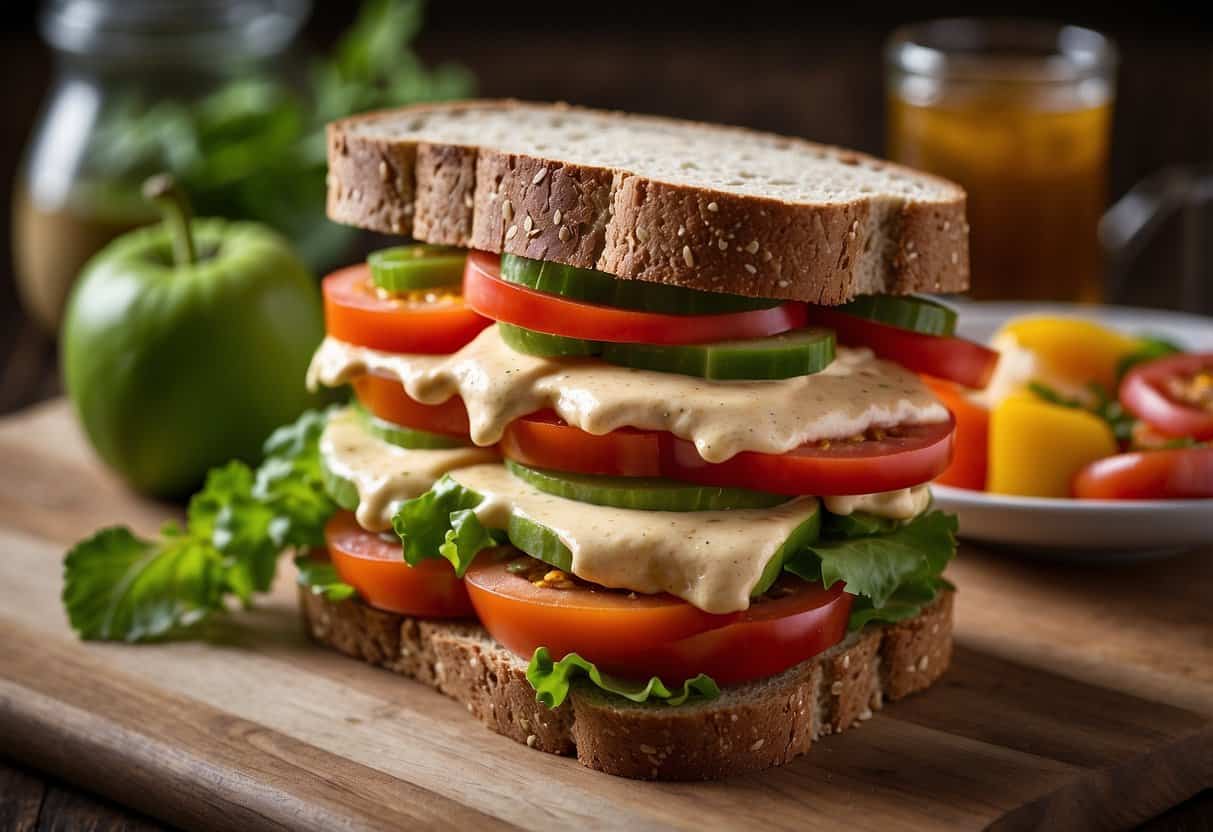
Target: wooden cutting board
[{"x": 1079, "y": 698}]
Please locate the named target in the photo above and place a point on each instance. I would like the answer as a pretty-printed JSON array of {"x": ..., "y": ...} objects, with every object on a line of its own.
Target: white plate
[{"x": 1097, "y": 530}]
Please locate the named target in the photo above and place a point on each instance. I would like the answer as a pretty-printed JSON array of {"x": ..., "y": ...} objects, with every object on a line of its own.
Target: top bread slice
[{"x": 716, "y": 208}]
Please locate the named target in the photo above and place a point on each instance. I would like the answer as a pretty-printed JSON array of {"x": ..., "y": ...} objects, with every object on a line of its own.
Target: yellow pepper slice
[
  {"x": 1037, "y": 448},
  {"x": 1073, "y": 350}
]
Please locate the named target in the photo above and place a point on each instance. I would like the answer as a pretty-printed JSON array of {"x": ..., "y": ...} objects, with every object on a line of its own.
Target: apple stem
[{"x": 167, "y": 195}]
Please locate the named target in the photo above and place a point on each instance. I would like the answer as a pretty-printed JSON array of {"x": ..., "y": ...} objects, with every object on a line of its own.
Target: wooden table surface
[{"x": 1070, "y": 701}]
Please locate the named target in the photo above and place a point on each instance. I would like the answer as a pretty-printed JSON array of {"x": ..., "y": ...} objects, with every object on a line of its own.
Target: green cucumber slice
[
  {"x": 606, "y": 290},
  {"x": 904, "y": 312},
  {"x": 409, "y": 438},
  {"x": 420, "y": 266},
  {"x": 644, "y": 493},
  {"x": 539, "y": 542},
  {"x": 545, "y": 345},
  {"x": 797, "y": 353},
  {"x": 343, "y": 492}
]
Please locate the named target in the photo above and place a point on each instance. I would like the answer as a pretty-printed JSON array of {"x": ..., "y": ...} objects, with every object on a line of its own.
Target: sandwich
[{"x": 638, "y": 458}]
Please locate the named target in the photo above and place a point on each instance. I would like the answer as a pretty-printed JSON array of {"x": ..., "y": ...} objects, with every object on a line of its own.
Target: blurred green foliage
[{"x": 254, "y": 148}]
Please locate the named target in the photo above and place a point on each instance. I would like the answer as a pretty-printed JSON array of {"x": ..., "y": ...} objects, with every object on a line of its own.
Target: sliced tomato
[
  {"x": 375, "y": 567},
  {"x": 638, "y": 636},
  {"x": 432, "y": 322},
  {"x": 971, "y": 456},
  {"x": 906, "y": 456},
  {"x": 1173, "y": 473},
  {"x": 946, "y": 357},
  {"x": 544, "y": 440},
  {"x": 489, "y": 295},
  {"x": 384, "y": 396},
  {"x": 1173, "y": 395}
]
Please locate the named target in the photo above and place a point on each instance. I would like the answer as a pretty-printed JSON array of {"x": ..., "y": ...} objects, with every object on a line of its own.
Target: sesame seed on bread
[
  {"x": 716, "y": 208},
  {"x": 751, "y": 726}
]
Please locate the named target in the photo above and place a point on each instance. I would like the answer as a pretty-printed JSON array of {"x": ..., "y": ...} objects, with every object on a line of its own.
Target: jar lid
[{"x": 172, "y": 31}]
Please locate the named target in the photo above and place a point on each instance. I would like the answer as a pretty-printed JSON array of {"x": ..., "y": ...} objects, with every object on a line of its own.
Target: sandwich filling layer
[
  {"x": 383, "y": 474},
  {"x": 855, "y": 393}
]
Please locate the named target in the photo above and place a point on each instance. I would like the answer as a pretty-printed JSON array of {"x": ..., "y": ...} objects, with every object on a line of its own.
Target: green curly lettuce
[
  {"x": 321, "y": 578},
  {"x": 119, "y": 587},
  {"x": 893, "y": 569},
  {"x": 443, "y": 522},
  {"x": 552, "y": 681}
]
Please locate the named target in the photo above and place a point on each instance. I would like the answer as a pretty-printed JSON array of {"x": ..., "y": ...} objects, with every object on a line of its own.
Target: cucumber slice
[
  {"x": 407, "y": 268},
  {"x": 904, "y": 312},
  {"x": 409, "y": 438},
  {"x": 539, "y": 542},
  {"x": 605, "y": 290},
  {"x": 644, "y": 493},
  {"x": 343, "y": 492},
  {"x": 797, "y": 353},
  {"x": 545, "y": 345}
]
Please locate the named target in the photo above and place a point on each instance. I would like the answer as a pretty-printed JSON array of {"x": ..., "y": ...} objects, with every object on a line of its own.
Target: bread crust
[
  {"x": 750, "y": 727},
  {"x": 640, "y": 228}
]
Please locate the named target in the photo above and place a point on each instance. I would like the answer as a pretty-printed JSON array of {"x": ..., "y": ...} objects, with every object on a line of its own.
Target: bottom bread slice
[{"x": 751, "y": 726}]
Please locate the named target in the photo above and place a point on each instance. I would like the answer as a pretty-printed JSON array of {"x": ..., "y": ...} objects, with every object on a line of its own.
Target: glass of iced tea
[{"x": 1019, "y": 113}]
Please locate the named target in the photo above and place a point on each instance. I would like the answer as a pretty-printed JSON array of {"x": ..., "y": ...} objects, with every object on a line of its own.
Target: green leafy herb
[
  {"x": 322, "y": 579},
  {"x": 1102, "y": 405},
  {"x": 442, "y": 521},
  {"x": 878, "y": 566},
  {"x": 552, "y": 681},
  {"x": 1150, "y": 349},
  {"x": 119, "y": 587},
  {"x": 254, "y": 148}
]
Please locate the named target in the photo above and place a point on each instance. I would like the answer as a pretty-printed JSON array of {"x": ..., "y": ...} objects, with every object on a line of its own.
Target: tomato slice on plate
[
  {"x": 489, "y": 295},
  {"x": 904, "y": 456},
  {"x": 638, "y": 636},
  {"x": 384, "y": 397},
  {"x": 942, "y": 356},
  {"x": 1169, "y": 474},
  {"x": 970, "y": 458},
  {"x": 375, "y": 567},
  {"x": 427, "y": 322},
  {"x": 1173, "y": 395}
]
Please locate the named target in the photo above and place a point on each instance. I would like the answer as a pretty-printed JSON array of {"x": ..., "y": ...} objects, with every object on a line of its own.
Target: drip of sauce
[
  {"x": 903, "y": 504},
  {"x": 384, "y": 474},
  {"x": 711, "y": 559},
  {"x": 854, "y": 393}
]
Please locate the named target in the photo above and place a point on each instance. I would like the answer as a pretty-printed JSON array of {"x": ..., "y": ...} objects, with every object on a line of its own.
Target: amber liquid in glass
[{"x": 1034, "y": 164}]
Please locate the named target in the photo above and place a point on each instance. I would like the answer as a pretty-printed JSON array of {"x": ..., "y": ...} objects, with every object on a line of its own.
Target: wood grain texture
[{"x": 1077, "y": 699}]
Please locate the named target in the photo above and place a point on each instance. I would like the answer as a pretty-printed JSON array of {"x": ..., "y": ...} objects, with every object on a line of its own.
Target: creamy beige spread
[
  {"x": 903, "y": 504},
  {"x": 712, "y": 559},
  {"x": 854, "y": 393},
  {"x": 383, "y": 474}
]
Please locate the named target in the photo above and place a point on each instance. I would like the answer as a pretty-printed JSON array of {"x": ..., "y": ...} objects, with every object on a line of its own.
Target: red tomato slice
[
  {"x": 489, "y": 295},
  {"x": 659, "y": 635},
  {"x": 385, "y": 397},
  {"x": 907, "y": 456},
  {"x": 356, "y": 312},
  {"x": 954, "y": 359},
  {"x": 1174, "y": 395},
  {"x": 972, "y": 453},
  {"x": 376, "y": 568},
  {"x": 1174, "y": 473}
]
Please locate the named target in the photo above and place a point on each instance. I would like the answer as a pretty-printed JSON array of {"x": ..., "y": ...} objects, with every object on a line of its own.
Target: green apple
[{"x": 186, "y": 344}]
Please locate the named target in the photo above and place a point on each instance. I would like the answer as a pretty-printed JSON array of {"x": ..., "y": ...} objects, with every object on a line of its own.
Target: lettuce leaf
[
  {"x": 893, "y": 572},
  {"x": 442, "y": 522},
  {"x": 552, "y": 681},
  {"x": 322, "y": 579},
  {"x": 119, "y": 587}
]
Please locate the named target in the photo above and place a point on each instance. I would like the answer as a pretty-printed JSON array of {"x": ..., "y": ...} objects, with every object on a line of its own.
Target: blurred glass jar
[
  {"x": 1019, "y": 114},
  {"x": 128, "y": 73}
]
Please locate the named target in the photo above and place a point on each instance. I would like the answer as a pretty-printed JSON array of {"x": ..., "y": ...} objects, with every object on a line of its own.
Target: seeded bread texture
[
  {"x": 748, "y": 728},
  {"x": 716, "y": 208}
]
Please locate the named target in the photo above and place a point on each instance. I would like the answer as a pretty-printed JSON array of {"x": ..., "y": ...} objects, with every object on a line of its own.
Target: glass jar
[
  {"x": 127, "y": 74},
  {"x": 1019, "y": 114}
]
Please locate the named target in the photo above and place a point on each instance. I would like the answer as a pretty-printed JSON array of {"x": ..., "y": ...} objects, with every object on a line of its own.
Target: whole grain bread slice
[
  {"x": 749, "y": 727},
  {"x": 710, "y": 207}
]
